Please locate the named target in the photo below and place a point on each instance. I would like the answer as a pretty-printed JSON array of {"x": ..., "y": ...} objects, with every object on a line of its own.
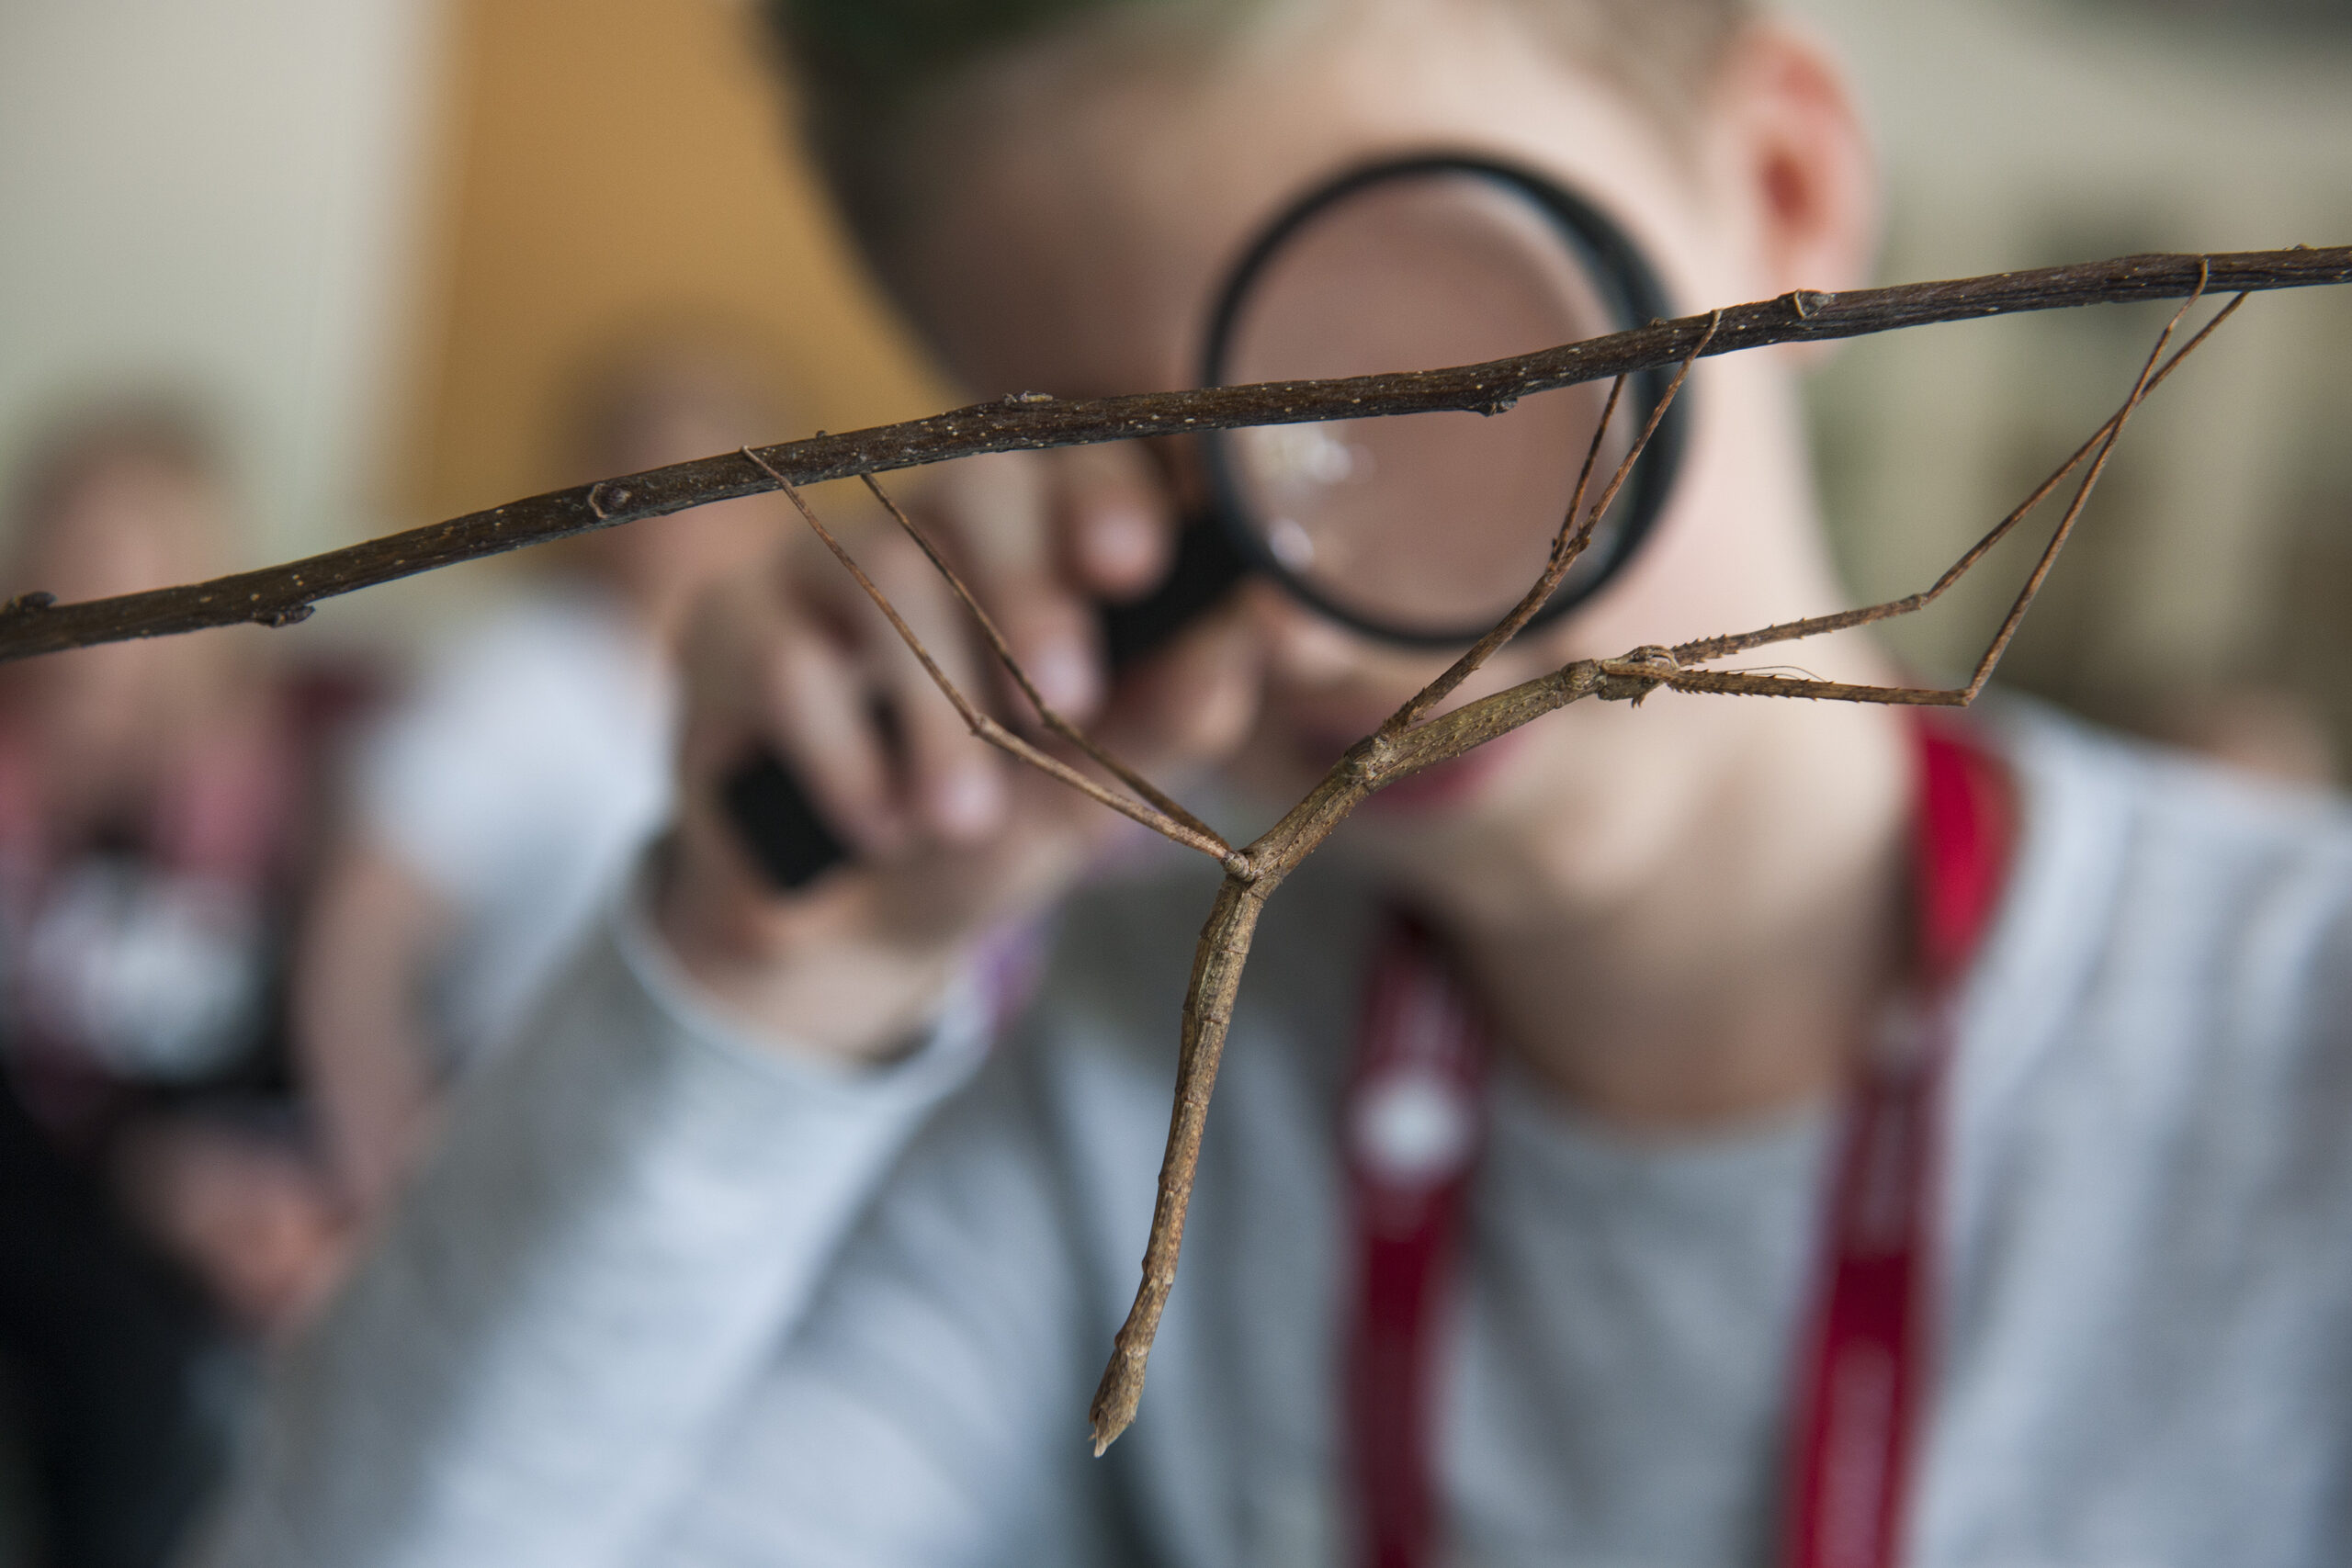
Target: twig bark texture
[{"x": 281, "y": 595}]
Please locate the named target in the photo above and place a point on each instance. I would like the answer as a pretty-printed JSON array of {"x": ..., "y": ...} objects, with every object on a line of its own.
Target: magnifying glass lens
[{"x": 1433, "y": 524}]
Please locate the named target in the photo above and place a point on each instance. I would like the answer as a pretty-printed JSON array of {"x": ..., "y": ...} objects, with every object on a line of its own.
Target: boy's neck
[{"x": 1706, "y": 949}]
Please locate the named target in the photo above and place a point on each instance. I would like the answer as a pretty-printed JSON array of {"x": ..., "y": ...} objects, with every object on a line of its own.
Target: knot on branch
[
  {"x": 292, "y": 616},
  {"x": 27, "y": 603},
  {"x": 1803, "y": 302},
  {"x": 606, "y": 494}
]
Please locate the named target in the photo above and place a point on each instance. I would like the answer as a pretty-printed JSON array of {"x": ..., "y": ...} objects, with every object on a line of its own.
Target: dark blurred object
[
  {"x": 111, "y": 1351},
  {"x": 160, "y": 1205},
  {"x": 2241, "y": 15}
]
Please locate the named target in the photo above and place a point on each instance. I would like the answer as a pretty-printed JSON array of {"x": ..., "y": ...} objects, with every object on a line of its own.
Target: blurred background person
[
  {"x": 492, "y": 808},
  {"x": 156, "y": 1201}
]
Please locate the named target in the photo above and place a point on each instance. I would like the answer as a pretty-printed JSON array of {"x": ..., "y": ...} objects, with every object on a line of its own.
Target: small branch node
[
  {"x": 27, "y": 603},
  {"x": 292, "y": 616}
]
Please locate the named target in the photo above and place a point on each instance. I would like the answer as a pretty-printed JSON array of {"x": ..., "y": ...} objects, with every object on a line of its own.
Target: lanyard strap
[{"x": 1413, "y": 1130}]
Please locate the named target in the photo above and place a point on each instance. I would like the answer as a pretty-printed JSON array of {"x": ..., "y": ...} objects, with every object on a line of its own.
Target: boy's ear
[{"x": 1796, "y": 145}]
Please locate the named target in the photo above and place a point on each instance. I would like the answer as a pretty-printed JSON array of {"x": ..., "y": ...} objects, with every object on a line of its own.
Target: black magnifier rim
[{"x": 1630, "y": 286}]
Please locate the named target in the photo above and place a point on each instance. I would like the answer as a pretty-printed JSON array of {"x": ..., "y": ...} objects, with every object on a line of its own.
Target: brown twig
[
  {"x": 1399, "y": 750},
  {"x": 282, "y": 595}
]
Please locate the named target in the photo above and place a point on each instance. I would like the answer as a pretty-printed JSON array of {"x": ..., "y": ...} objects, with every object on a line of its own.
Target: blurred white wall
[{"x": 219, "y": 194}]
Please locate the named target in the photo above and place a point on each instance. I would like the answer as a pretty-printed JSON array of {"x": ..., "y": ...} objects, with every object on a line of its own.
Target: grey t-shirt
[{"x": 666, "y": 1298}]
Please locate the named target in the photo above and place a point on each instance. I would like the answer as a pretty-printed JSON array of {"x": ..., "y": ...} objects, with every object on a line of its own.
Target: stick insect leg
[
  {"x": 981, "y": 724},
  {"x": 1052, "y": 720},
  {"x": 1670, "y": 667}
]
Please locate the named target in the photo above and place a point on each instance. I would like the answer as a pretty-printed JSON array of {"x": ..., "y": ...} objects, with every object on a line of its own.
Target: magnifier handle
[{"x": 787, "y": 836}]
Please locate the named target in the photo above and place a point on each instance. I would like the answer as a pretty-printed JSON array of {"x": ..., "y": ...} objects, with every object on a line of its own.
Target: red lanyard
[{"x": 1414, "y": 1128}]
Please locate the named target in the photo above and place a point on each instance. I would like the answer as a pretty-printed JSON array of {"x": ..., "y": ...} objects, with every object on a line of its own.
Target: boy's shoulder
[
  {"x": 2174, "y": 950},
  {"x": 2152, "y": 1169},
  {"x": 2171, "y": 849}
]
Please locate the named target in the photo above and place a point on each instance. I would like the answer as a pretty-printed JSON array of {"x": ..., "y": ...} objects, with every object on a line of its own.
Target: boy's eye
[{"x": 1425, "y": 528}]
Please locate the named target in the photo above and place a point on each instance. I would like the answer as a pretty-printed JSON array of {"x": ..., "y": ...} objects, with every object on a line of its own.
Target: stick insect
[{"x": 1417, "y": 736}]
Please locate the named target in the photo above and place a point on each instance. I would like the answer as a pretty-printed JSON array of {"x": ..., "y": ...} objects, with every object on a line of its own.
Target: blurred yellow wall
[{"x": 602, "y": 161}]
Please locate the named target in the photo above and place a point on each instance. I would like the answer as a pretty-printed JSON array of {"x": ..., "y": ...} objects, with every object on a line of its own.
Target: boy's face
[{"x": 1093, "y": 201}]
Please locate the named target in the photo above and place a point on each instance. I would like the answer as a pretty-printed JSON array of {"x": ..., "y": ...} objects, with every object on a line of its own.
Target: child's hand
[
  {"x": 255, "y": 1221},
  {"x": 951, "y": 837}
]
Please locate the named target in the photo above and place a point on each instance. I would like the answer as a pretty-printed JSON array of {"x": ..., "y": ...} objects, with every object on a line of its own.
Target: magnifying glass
[{"x": 1418, "y": 530}]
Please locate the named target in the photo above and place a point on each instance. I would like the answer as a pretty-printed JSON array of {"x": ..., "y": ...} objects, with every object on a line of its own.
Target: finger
[
  {"x": 774, "y": 662},
  {"x": 1193, "y": 702},
  {"x": 1116, "y": 520},
  {"x": 997, "y": 513},
  {"x": 817, "y": 710},
  {"x": 950, "y": 776}
]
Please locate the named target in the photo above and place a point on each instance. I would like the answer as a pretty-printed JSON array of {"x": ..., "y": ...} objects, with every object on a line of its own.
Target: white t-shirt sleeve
[
  {"x": 442, "y": 788},
  {"x": 627, "y": 1212},
  {"x": 529, "y": 763}
]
